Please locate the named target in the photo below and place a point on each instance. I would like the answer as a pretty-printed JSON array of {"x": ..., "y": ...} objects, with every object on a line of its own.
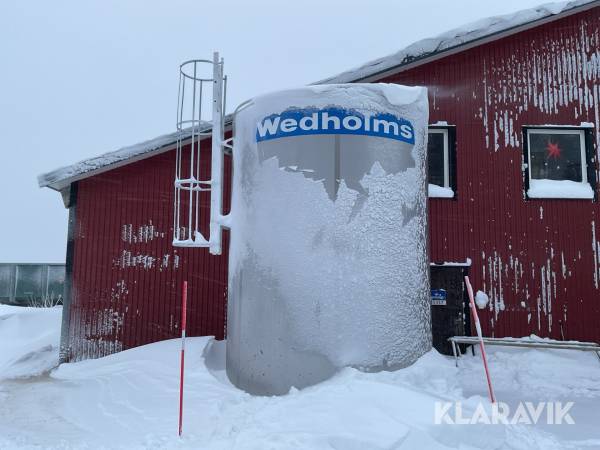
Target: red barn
[{"x": 514, "y": 107}]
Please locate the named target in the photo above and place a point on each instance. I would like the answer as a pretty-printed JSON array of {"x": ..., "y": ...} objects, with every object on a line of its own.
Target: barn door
[{"x": 449, "y": 306}]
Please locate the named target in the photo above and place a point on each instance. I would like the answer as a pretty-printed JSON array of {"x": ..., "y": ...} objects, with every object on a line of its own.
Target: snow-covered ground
[
  {"x": 29, "y": 339},
  {"x": 130, "y": 400}
]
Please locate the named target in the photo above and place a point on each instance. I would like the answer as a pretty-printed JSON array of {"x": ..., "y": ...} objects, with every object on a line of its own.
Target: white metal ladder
[{"x": 191, "y": 127}]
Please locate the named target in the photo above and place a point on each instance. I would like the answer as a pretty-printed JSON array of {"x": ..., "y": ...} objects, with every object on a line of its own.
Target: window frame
[
  {"x": 449, "y": 133},
  {"x": 586, "y": 154}
]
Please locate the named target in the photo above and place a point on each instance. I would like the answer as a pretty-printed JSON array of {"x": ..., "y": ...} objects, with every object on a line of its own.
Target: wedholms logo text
[{"x": 297, "y": 122}]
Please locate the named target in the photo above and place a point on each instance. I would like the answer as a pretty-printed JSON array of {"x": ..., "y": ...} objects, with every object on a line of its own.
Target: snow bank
[
  {"x": 481, "y": 299},
  {"x": 559, "y": 189},
  {"x": 29, "y": 340},
  {"x": 438, "y": 191},
  {"x": 129, "y": 400}
]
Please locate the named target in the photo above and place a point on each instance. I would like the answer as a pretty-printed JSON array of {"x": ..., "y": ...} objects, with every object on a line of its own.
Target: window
[
  {"x": 558, "y": 163},
  {"x": 440, "y": 154}
]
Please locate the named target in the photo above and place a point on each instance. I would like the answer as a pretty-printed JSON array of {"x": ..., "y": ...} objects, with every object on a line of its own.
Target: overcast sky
[{"x": 82, "y": 78}]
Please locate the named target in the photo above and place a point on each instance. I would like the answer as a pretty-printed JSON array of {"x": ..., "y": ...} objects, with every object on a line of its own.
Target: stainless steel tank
[{"x": 328, "y": 256}]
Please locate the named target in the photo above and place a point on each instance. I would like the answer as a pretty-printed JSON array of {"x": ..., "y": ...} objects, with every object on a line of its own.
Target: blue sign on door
[{"x": 438, "y": 297}]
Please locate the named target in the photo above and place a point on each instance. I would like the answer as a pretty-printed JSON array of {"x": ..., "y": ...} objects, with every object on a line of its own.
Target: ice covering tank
[{"x": 328, "y": 255}]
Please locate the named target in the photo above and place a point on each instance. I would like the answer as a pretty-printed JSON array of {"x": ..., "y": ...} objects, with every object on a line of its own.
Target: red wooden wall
[
  {"x": 538, "y": 260},
  {"x": 127, "y": 277}
]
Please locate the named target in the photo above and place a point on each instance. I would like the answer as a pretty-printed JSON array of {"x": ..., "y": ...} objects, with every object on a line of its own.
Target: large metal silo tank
[{"x": 328, "y": 256}]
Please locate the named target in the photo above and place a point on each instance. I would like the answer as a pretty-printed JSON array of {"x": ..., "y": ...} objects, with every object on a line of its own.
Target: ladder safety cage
[{"x": 199, "y": 115}]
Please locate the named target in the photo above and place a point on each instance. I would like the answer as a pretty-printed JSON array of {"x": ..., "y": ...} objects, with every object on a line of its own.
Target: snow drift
[
  {"x": 129, "y": 400},
  {"x": 29, "y": 340}
]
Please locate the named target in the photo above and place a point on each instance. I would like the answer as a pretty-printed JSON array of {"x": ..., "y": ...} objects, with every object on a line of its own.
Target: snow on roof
[
  {"x": 418, "y": 51},
  {"x": 62, "y": 177},
  {"x": 457, "y": 37}
]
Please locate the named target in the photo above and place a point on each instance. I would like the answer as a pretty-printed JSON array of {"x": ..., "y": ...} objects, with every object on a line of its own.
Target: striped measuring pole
[
  {"x": 183, "y": 318},
  {"x": 480, "y": 335}
]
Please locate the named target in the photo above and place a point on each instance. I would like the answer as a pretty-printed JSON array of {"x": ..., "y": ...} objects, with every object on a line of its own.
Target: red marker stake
[
  {"x": 480, "y": 335},
  {"x": 183, "y": 311}
]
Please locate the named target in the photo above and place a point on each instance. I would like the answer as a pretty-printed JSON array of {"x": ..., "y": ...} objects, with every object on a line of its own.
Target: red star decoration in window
[{"x": 553, "y": 150}]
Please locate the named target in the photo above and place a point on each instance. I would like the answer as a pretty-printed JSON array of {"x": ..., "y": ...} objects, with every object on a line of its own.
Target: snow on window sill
[
  {"x": 436, "y": 191},
  {"x": 559, "y": 189}
]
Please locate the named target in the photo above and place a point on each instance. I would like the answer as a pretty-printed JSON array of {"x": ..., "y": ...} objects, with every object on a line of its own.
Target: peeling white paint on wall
[
  {"x": 108, "y": 322},
  {"x": 119, "y": 291},
  {"x": 564, "y": 72},
  {"x": 596, "y": 255},
  {"x": 499, "y": 277},
  {"x": 142, "y": 234},
  {"x": 102, "y": 330},
  {"x": 557, "y": 75},
  {"x": 485, "y": 106},
  {"x": 548, "y": 291},
  {"x": 128, "y": 259},
  {"x": 496, "y": 287}
]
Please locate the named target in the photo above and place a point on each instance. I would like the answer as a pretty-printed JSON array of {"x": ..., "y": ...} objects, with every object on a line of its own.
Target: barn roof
[
  {"x": 459, "y": 39},
  {"x": 62, "y": 177},
  {"x": 420, "y": 52}
]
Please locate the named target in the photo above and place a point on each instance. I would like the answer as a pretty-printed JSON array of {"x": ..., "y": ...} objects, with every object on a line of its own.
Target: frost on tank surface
[
  {"x": 328, "y": 261},
  {"x": 311, "y": 158}
]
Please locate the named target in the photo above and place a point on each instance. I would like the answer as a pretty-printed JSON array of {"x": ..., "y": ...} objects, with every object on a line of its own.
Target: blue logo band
[{"x": 299, "y": 122}]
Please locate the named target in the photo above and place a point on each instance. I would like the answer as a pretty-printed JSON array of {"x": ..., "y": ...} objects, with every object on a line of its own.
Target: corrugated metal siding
[
  {"x": 538, "y": 260},
  {"x": 127, "y": 277},
  {"x": 543, "y": 254}
]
